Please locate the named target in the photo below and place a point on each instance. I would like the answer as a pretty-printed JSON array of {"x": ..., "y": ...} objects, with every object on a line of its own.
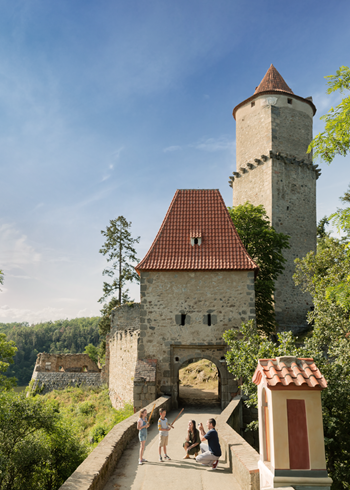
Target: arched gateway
[{"x": 197, "y": 281}]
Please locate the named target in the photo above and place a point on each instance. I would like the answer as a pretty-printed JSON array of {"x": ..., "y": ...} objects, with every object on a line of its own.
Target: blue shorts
[{"x": 142, "y": 435}]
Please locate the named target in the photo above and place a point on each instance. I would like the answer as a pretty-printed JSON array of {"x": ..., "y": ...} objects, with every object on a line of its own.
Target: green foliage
[
  {"x": 61, "y": 336},
  {"x": 38, "y": 448},
  {"x": 120, "y": 252},
  {"x": 7, "y": 351},
  {"x": 89, "y": 411},
  {"x": 1, "y": 277},
  {"x": 246, "y": 347},
  {"x": 92, "y": 351},
  {"x": 265, "y": 246},
  {"x": 335, "y": 139}
]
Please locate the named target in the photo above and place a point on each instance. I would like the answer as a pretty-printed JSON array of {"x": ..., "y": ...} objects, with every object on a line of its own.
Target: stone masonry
[
  {"x": 274, "y": 129},
  {"x": 57, "y": 371},
  {"x": 227, "y": 295}
]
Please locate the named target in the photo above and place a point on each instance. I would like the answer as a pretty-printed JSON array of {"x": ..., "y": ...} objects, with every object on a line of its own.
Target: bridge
[
  {"x": 114, "y": 462},
  {"x": 291, "y": 441}
]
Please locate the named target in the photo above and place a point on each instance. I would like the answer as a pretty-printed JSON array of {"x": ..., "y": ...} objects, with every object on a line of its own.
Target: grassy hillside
[
  {"x": 89, "y": 411},
  {"x": 61, "y": 336},
  {"x": 202, "y": 374}
]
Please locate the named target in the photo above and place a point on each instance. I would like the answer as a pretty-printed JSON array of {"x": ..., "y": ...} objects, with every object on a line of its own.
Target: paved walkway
[{"x": 177, "y": 474}]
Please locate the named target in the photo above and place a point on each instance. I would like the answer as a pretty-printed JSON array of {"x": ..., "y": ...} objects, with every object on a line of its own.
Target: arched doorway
[
  {"x": 182, "y": 355},
  {"x": 199, "y": 383}
]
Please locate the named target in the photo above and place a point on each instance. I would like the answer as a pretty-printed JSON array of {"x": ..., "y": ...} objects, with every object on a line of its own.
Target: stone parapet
[
  {"x": 242, "y": 457},
  {"x": 46, "y": 382},
  {"x": 94, "y": 472}
]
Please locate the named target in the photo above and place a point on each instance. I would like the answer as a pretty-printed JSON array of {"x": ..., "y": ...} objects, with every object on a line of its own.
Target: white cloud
[
  {"x": 15, "y": 251},
  {"x": 116, "y": 153},
  {"x": 30, "y": 316},
  {"x": 171, "y": 148},
  {"x": 18, "y": 276},
  {"x": 215, "y": 144}
]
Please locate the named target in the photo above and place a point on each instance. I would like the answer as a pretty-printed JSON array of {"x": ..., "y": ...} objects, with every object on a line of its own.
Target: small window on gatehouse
[
  {"x": 209, "y": 319},
  {"x": 290, "y": 101},
  {"x": 252, "y": 104},
  {"x": 183, "y": 319}
]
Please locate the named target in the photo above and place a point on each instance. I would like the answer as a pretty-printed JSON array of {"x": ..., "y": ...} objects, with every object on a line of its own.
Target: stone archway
[
  {"x": 227, "y": 386},
  {"x": 199, "y": 383}
]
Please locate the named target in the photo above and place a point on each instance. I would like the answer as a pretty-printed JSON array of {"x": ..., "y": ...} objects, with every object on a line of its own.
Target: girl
[
  {"x": 142, "y": 426},
  {"x": 191, "y": 445}
]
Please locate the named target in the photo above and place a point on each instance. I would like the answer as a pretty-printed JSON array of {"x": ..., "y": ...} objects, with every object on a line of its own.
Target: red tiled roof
[
  {"x": 273, "y": 81},
  {"x": 192, "y": 214},
  {"x": 289, "y": 371}
]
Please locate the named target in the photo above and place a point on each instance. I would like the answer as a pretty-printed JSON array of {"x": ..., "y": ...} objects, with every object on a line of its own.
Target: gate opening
[{"x": 199, "y": 383}]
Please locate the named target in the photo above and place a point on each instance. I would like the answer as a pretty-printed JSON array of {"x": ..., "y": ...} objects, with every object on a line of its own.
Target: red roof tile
[
  {"x": 273, "y": 81},
  {"x": 197, "y": 214},
  {"x": 289, "y": 371}
]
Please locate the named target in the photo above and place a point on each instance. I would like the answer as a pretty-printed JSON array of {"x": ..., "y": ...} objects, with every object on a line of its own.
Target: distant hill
[{"x": 61, "y": 336}]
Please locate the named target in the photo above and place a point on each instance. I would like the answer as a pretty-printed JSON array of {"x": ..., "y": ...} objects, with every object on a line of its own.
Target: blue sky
[{"x": 106, "y": 108}]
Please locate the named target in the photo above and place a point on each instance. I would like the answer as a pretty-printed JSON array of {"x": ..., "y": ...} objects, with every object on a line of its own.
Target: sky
[{"x": 107, "y": 107}]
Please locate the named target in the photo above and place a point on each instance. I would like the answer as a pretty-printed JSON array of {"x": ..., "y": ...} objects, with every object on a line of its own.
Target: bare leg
[{"x": 142, "y": 448}]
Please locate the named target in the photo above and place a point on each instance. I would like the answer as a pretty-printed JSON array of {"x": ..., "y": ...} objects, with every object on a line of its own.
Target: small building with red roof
[{"x": 291, "y": 434}]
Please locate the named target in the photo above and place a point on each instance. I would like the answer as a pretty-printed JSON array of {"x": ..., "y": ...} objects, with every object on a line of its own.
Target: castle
[{"x": 197, "y": 280}]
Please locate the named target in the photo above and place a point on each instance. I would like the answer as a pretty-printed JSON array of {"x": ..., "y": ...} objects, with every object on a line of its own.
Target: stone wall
[
  {"x": 273, "y": 169},
  {"x": 96, "y": 469},
  {"x": 57, "y": 371},
  {"x": 167, "y": 296},
  {"x": 45, "y": 382},
  {"x": 121, "y": 353},
  {"x": 242, "y": 457},
  {"x": 69, "y": 363}
]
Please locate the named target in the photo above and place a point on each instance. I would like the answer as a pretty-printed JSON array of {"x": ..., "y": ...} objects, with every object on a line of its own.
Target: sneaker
[
  {"x": 215, "y": 464},
  {"x": 160, "y": 459},
  {"x": 167, "y": 457},
  {"x": 144, "y": 460},
  {"x": 140, "y": 462}
]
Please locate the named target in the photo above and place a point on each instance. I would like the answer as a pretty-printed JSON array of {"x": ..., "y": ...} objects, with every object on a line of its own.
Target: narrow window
[
  {"x": 209, "y": 320},
  {"x": 196, "y": 241},
  {"x": 290, "y": 101},
  {"x": 252, "y": 104},
  {"x": 183, "y": 319}
]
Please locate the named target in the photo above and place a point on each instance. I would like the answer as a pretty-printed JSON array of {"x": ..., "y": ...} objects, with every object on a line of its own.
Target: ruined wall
[
  {"x": 69, "y": 363},
  {"x": 273, "y": 169},
  {"x": 122, "y": 345},
  {"x": 58, "y": 371},
  {"x": 228, "y": 296}
]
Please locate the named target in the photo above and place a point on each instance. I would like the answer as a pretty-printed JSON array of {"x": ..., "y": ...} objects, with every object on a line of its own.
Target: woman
[
  {"x": 191, "y": 445},
  {"x": 142, "y": 426}
]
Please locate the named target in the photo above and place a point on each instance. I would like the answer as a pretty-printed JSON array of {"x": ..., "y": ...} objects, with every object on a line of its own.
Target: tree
[
  {"x": 265, "y": 246},
  {"x": 335, "y": 139},
  {"x": 120, "y": 252},
  {"x": 7, "y": 351},
  {"x": 1, "y": 277},
  {"x": 92, "y": 352},
  {"x": 38, "y": 449}
]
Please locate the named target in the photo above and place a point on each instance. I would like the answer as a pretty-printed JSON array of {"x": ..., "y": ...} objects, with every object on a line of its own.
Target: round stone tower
[{"x": 273, "y": 132}]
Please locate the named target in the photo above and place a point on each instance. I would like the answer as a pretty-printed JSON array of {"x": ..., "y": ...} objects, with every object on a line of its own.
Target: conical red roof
[
  {"x": 273, "y": 81},
  {"x": 197, "y": 214}
]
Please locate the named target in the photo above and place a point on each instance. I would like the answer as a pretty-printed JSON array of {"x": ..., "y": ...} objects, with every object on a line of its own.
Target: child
[
  {"x": 142, "y": 426},
  {"x": 163, "y": 428}
]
